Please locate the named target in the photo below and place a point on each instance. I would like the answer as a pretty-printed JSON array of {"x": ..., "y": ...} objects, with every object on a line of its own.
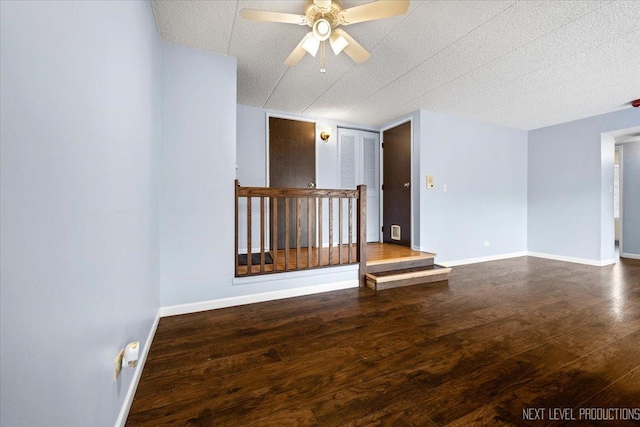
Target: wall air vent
[{"x": 395, "y": 232}]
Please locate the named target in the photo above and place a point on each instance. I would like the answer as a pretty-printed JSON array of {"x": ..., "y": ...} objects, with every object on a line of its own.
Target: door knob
[
  {"x": 407, "y": 184},
  {"x": 311, "y": 185}
]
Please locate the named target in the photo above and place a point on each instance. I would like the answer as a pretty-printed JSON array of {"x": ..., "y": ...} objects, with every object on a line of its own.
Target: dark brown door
[
  {"x": 292, "y": 164},
  {"x": 396, "y": 181}
]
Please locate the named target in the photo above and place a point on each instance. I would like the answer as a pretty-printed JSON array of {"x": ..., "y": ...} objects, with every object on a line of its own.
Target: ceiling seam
[
  {"x": 372, "y": 49},
  {"x": 513, "y": 50},
  {"x": 441, "y": 50},
  {"x": 264, "y": 105},
  {"x": 235, "y": 16}
]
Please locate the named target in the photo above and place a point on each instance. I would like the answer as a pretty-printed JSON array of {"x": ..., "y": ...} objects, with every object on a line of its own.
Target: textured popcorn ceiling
[{"x": 523, "y": 64}]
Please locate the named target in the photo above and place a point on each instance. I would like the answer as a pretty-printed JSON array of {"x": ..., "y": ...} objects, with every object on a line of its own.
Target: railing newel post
[{"x": 362, "y": 233}]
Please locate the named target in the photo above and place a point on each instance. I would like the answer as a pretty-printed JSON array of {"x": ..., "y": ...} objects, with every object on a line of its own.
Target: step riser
[
  {"x": 399, "y": 265},
  {"x": 437, "y": 277}
]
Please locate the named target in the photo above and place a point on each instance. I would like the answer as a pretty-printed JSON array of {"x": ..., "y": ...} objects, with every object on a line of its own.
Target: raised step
[
  {"x": 398, "y": 259},
  {"x": 407, "y": 277}
]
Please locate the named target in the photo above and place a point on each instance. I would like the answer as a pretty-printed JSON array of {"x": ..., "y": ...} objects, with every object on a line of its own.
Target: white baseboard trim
[
  {"x": 174, "y": 310},
  {"x": 482, "y": 259},
  {"x": 131, "y": 392},
  {"x": 572, "y": 259},
  {"x": 632, "y": 256}
]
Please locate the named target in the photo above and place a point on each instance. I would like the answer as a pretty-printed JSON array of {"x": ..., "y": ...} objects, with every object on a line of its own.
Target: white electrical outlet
[
  {"x": 445, "y": 188},
  {"x": 117, "y": 364},
  {"x": 430, "y": 183},
  {"x": 486, "y": 243}
]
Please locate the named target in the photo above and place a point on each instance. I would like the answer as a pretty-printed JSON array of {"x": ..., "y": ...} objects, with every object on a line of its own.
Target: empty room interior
[{"x": 319, "y": 213}]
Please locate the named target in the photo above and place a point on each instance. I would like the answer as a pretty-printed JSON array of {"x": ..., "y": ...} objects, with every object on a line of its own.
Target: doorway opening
[{"x": 620, "y": 203}]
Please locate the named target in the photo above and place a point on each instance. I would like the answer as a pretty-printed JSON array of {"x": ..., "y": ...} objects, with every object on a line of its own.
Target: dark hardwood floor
[{"x": 498, "y": 338}]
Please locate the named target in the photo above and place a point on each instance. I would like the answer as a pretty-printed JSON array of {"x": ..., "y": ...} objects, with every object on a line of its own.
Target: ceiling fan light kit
[{"x": 323, "y": 16}]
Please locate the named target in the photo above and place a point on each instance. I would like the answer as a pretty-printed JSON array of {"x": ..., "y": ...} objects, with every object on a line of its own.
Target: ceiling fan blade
[
  {"x": 299, "y": 51},
  {"x": 266, "y": 15},
  {"x": 374, "y": 10},
  {"x": 353, "y": 48}
]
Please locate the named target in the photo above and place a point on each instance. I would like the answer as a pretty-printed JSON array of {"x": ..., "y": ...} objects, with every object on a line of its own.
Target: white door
[{"x": 359, "y": 163}]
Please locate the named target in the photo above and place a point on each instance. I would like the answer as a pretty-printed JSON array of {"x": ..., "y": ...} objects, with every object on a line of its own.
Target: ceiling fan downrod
[{"x": 322, "y": 57}]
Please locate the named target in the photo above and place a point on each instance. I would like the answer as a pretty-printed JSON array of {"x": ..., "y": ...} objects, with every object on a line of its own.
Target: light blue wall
[
  {"x": 198, "y": 169},
  {"x": 80, "y": 162},
  {"x": 485, "y": 169},
  {"x": 631, "y": 198},
  {"x": 565, "y": 186},
  {"x": 251, "y": 131}
]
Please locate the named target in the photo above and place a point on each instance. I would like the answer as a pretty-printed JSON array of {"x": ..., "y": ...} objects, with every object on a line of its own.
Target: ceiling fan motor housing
[
  {"x": 322, "y": 29},
  {"x": 313, "y": 13}
]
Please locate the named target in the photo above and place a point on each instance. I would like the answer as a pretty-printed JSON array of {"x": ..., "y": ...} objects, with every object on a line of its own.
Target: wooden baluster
[
  {"x": 309, "y": 236},
  {"x": 235, "y": 262},
  {"x": 274, "y": 232},
  {"x": 330, "y": 230},
  {"x": 262, "y": 234},
  {"x": 350, "y": 228},
  {"x": 286, "y": 234},
  {"x": 298, "y": 232},
  {"x": 362, "y": 233},
  {"x": 320, "y": 232},
  {"x": 340, "y": 230},
  {"x": 249, "y": 236}
]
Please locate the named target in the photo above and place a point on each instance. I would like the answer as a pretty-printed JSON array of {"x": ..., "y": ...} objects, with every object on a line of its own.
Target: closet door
[
  {"x": 348, "y": 153},
  {"x": 359, "y": 163},
  {"x": 371, "y": 178}
]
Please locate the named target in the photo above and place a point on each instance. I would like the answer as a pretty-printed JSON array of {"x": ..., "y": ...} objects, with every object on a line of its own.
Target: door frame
[
  {"x": 620, "y": 196},
  {"x": 412, "y": 219},
  {"x": 267, "y": 178}
]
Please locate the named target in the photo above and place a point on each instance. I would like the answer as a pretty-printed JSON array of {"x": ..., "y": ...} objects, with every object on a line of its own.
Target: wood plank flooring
[{"x": 498, "y": 338}]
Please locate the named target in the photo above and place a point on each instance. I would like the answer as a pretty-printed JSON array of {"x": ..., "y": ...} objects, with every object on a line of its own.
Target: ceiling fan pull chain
[{"x": 322, "y": 47}]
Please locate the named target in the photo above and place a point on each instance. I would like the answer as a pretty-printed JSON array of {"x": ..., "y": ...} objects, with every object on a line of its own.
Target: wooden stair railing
[{"x": 294, "y": 198}]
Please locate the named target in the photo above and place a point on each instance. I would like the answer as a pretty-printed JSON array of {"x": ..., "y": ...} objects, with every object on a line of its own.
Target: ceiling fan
[{"x": 324, "y": 16}]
